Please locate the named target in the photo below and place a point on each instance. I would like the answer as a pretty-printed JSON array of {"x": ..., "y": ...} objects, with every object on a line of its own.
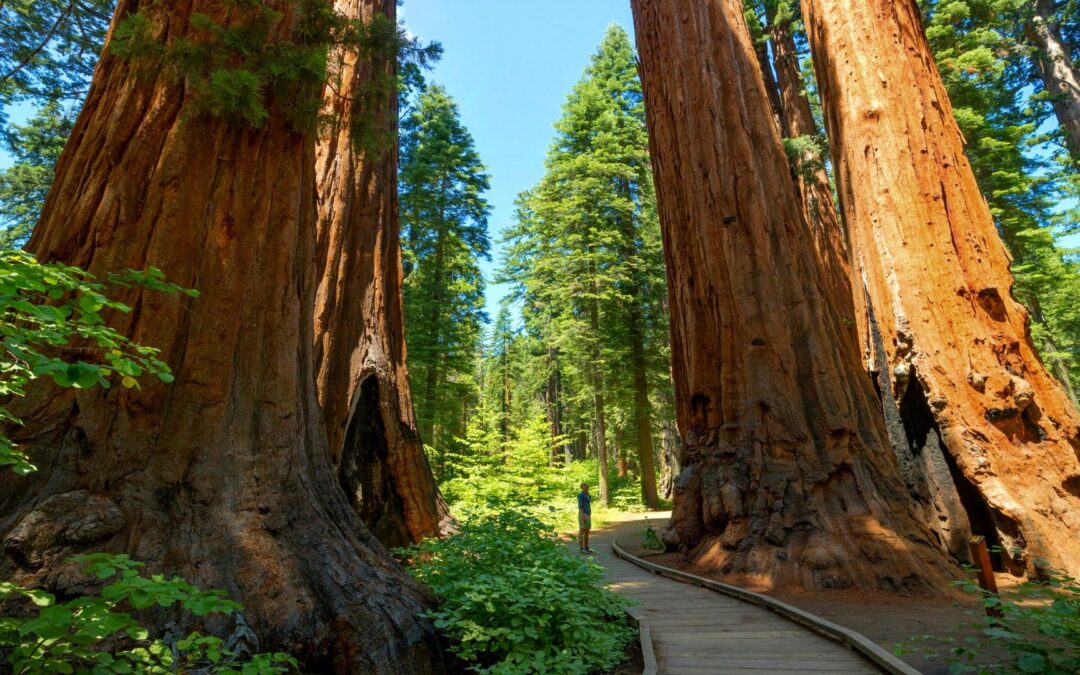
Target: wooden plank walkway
[{"x": 695, "y": 630}]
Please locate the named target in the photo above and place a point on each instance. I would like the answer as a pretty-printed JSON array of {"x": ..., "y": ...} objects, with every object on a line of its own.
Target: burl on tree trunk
[
  {"x": 938, "y": 279},
  {"x": 787, "y": 476},
  {"x": 358, "y": 323},
  {"x": 223, "y": 477}
]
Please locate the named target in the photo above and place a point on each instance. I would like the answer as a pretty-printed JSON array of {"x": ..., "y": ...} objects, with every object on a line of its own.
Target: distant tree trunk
[
  {"x": 506, "y": 394},
  {"x": 1053, "y": 62},
  {"x": 669, "y": 457},
  {"x": 433, "y": 371},
  {"x": 224, "y": 476},
  {"x": 362, "y": 382},
  {"x": 635, "y": 320},
  {"x": 597, "y": 380},
  {"x": 786, "y": 473},
  {"x": 772, "y": 89},
  {"x": 939, "y": 281},
  {"x": 622, "y": 466},
  {"x": 642, "y": 407},
  {"x": 553, "y": 408}
]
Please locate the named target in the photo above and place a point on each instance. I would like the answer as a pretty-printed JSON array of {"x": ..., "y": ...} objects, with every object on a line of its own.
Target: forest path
[{"x": 696, "y": 630}]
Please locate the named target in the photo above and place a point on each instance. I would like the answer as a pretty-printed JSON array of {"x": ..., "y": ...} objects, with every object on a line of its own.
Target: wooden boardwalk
[{"x": 696, "y": 630}]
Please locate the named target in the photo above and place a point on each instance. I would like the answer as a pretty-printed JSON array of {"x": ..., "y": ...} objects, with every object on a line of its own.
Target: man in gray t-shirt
[{"x": 584, "y": 518}]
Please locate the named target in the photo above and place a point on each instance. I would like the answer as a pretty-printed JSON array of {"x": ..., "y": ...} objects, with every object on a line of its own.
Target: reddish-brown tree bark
[
  {"x": 938, "y": 277},
  {"x": 923, "y": 466},
  {"x": 358, "y": 323},
  {"x": 787, "y": 478},
  {"x": 224, "y": 476}
]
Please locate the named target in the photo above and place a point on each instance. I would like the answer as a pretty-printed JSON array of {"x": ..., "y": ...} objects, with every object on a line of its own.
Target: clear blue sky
[{"x": 509, "y": 64}]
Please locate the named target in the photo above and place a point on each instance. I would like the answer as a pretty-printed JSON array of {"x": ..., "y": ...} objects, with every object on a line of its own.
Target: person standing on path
[{"x": 584, "y": 518}]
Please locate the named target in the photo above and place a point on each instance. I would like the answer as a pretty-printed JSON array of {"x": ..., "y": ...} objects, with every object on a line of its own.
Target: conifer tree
[
  {"x": 444, "y": 236},
  {"x": 49, "y": 51},
  {"x": 585, "y": 257}
]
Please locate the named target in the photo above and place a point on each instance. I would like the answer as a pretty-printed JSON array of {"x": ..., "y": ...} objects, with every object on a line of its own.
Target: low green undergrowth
[
  {"x": 525, "y": 482},
  {"x": 650, "y": 539},
  {"x": 1035, "y": 628},
  {"x": 98, "y": 633},
  {"x": 513, "y": 599}
]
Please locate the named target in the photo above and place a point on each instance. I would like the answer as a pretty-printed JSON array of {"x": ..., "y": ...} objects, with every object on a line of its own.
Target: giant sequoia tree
[
  {"x": 225, "y": 476},
  {"x": 786, "y": 473},
  {"x": 358, "y": 323},
  {"x": 938, "y": 278}
]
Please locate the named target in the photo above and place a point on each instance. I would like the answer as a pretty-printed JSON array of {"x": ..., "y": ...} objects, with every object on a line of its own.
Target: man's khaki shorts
[{"x": 584, "y": 521}]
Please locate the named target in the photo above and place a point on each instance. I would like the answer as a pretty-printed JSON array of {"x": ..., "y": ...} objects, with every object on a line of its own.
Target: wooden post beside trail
[{"x": 981, "y": 557}]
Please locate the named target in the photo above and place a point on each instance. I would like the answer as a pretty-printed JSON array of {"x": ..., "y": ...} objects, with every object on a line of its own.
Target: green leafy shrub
[
  {"x": 515, "y": 600},
  {"x": 48, "y": 309},
  {"x": 1036, "y": 630},
  {"x": 72, "y": 636},
  {"x": 650, "y": 540}
]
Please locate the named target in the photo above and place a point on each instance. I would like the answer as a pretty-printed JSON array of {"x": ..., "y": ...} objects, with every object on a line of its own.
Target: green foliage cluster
[
  {"x": 50, "y": 47},
  {"x": 48, "y": 56},
  {"x": 1034, "y": 628},
  {"x": 72, "y": 636},
  {"x": 52, "y": 324},
  {"x": 444, "y": 217},
  {"x": 513, "y": 599},
  {"x": 273, "y": 54},
  {"x": 650, "y": 540}
]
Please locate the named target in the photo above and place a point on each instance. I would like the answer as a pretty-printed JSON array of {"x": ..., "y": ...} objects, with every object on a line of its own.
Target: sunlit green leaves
[
  {"x": 68, "y": 637},
  {"x": 53, "y": 325},
  {"x": 515, "y": 600}
]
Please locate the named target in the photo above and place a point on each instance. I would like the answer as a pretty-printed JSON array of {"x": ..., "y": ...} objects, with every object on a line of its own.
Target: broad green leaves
[
  {"x": 53, "y": 325},
  {"x": 515, "y": 600},
  {"x": 1035, "y": 629},
  {"x": 67, "y": 637}
]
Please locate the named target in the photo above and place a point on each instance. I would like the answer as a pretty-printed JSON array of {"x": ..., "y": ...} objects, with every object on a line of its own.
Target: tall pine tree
[
  {"x": 586, "y": 259},
  {"x": 444, "y": 237}
]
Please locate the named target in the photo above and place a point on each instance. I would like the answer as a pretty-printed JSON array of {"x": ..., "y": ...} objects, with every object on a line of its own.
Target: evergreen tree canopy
[{"x": 444, "y": 219}]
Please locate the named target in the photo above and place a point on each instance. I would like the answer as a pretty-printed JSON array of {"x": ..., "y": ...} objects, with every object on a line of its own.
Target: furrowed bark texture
[
  {"x": 359, "y": 332},
  {"x": 815, "y": 194},
  {"x": 1053, "y": 62},
  {"x": 786, "y": 477},
  {"x": 938, "y": 278},
  {"x": 922, "y": 463},
  {"x": 224, "y": 476}
]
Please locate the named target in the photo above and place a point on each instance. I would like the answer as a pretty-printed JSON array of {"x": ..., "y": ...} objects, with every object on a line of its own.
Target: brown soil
[{"x": 885, "y": 618}]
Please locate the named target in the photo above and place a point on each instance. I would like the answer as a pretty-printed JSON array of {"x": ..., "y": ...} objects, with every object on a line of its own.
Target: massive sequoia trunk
[
  {"x": 787, "y": 477},
  {"x": 1054, "y": 65},
  {"x": 812, "y": 181},
  {"x": 358, "y": 326},
  {"x": 923, "y": 466},
  {"x": 961, "y": 357},
  {"x": 223, "y": 477}
]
